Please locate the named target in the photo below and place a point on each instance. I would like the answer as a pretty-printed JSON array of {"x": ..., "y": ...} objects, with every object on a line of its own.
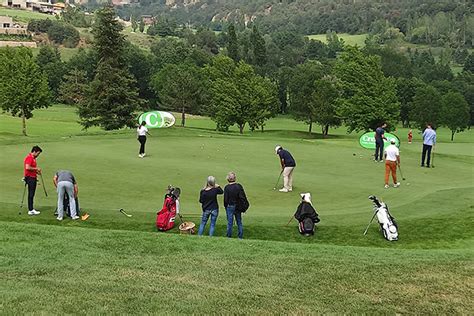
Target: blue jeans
[
  {"x": 230, "y": 211},
  {"x": 205, "y": 217}
]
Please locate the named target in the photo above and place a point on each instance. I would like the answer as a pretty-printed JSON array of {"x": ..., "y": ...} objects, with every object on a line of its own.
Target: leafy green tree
[
  {"x": 49, "y": 61},
  {"x": 140, "y": 66},
  {"x": 112, "y": 97},
  {"x": 426, "y": 106},
  {"x": 259, "y": 51},
  {"x": 324, "y": 103},
  {"x": 134, "y": 23},
  {"x": 63, "y": 33},
  {"x": 233, "y": 45},
  {"x": 335, "y": 44},
  {"x": 180, "y": 88},
  {"x": 316, "y": 50},
  {"x": 301, "y": 89},
  {"x": 455, "y": 112},
  {"x": 367, "y": 97},
  {"x": 85, "y": 60},
  {"x": 238, "y": 95},
  {"x": 72, "y": 91},
  {"x": 204, "y": 39},
  {"x": 265, "y": 103},
  {"x": 406, "y": 88},
  {"x": 469, "y": 64},
  {"x": 141, "y": 26},
  {"x": 170, "y": 51},
  {"x": 24, "y": 87}
]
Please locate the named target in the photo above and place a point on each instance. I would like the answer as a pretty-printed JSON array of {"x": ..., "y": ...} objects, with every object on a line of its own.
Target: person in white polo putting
[{"x": 392, "y": 160}]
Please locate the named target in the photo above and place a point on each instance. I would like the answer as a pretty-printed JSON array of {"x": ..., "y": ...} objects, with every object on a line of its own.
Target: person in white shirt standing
[
  {"x": 392, "y": 160},
  {"x": 142, "y": 131}
]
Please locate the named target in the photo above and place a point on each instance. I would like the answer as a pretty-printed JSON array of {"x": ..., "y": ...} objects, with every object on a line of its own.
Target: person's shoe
[
  {"x": 34, "y": 212},
  {"x": 427, "y": 166},
  {"x": 143, "y": 155},
  {"x": 75, "y": 217},
  {"x": 386, "y": 186},
  {"x": 396, "y": 185},
  {"x": 59, "y": 218},
  {"x": 283, "y": 190},
  {"x": 422, "y": 165},
  {"x": 290, "y": 190}
]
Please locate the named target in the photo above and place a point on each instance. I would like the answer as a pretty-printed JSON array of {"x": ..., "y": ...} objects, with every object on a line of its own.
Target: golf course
[{"x": 111, "y": 263}]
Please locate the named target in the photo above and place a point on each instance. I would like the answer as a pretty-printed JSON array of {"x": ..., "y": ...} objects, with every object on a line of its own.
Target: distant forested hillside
[{"x": 433, "y": 22}]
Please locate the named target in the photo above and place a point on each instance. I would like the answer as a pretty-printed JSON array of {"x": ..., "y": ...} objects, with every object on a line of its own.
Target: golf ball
[{"x": 408, "y": 183}]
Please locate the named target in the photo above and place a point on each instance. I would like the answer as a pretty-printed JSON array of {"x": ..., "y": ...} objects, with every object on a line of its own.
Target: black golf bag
[
  {"x": 388, "y": 225},
  {"x": 67, "y": 209},
  {"x": 307, "y": 218}
]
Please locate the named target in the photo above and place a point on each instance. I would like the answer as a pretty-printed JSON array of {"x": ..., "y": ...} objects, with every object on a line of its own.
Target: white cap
[
  {"x": 278, "y": 147},
  {"x": 306, "y": 197}
]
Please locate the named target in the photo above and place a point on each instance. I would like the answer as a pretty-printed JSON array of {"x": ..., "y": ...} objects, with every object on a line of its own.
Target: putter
[
  {"x": 365, "y": 233},
  {"x": 124, "y": 213},
  {"x": 275, "y": 187},
  {"x": 432, "y": 159},
  {"x": 44, "y": 188},
  {"x": 400, "y": 168},
  {"x": 22, "y": 198}
]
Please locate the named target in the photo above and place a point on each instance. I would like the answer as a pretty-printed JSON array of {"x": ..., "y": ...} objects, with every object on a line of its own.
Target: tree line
[{"x": 241, "y": 78}]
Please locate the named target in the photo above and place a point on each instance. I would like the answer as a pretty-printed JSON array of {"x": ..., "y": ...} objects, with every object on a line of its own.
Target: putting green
[{"x": 434, "y": 207}]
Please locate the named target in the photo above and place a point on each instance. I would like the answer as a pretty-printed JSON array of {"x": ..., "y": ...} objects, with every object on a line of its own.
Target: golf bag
[
  {"x": 388, "y": 225},
  {"x": 67, "y": 209},
  {"x": 307, "y": 218},
  {"x": 166, "y": 216}
]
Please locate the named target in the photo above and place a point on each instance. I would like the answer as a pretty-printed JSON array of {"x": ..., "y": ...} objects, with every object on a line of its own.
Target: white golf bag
[{"x": 388, "y": 226}]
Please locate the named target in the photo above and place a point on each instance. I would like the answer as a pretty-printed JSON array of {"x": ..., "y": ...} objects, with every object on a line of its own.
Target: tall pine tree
[
  {"x": 259, "y": 51},
  {"x": 233, "y": 45},
  {"x": 112, "y": 97}
]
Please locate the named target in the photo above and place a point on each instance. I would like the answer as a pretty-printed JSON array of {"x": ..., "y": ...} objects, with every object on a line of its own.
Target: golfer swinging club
[
  {"x": 288, "y": 164},
  {"x": 30, "y": 173}
]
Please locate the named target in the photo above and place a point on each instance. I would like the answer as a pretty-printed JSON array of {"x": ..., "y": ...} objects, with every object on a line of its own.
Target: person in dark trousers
[
  {"x": 429, "y": 140},
  {"x": 379, "y": 138},
  {"x": 210, "y": 207},
  {"x": 30, "y": 172},
  {"x": 288, "y": 165},
  {"x": 142, "y": 131},
  {"x": 233, "y": 193}
]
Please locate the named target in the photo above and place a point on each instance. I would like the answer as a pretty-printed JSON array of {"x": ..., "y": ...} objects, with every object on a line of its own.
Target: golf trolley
[{"x": 388, "y": 225}]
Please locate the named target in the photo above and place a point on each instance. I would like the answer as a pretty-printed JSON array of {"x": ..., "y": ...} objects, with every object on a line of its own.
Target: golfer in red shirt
[{"x": 31, "y": 172}]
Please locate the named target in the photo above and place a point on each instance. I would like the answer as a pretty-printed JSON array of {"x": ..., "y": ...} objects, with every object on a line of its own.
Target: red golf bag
[{"x": 166, "y": 217}]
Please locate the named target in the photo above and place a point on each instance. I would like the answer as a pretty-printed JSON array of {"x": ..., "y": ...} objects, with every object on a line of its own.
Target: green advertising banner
[
  {"x": 157, "y": 119},
  {"x": 368, "y": 140}
]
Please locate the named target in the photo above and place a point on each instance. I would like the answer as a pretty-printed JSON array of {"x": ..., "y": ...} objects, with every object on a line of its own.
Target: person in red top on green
[{"x": 31, "y": 172}]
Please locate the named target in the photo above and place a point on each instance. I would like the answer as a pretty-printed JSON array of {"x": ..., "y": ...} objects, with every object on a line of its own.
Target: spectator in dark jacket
[
  {"x": 233, "y": 194},
  {"x": 210, "y": 207}
]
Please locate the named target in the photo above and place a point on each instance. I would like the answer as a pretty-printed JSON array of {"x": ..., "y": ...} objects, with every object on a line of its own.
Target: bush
[
  {"x": 39, "y": 26},
  {"x": 62, "y": 33}
]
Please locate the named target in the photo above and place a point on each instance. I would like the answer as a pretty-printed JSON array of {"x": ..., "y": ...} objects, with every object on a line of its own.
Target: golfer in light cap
[
  {"x": 288, "y": 164},
  {"x": 392, "y": 160}
]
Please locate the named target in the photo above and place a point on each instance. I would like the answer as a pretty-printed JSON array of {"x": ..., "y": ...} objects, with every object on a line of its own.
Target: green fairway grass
[
  {"x": 24, "y": 16},
  {"x": 115, "y": 264},
  {"x": 349, "y": 39}
]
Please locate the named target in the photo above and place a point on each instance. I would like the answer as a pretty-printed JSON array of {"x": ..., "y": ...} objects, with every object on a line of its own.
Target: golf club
[
  {"x": 432, "y": 158},
  {"x": 291, "y": 218},
  {"x": 180, "y": 218},
  {"x": 365, "y": 232},
  {"x": 276, "y": 184},
  {"x": 124, "y": 213},
  {"x": 42, "y": 183},
  {"x": 401, "y": 173},
  {"x": 23, "y": 197}
]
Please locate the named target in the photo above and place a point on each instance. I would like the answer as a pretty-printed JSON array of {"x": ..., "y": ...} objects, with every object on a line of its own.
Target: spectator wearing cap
[
  {"x": 392, "y": 160},
  {"x": 288, "y": 165}
]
